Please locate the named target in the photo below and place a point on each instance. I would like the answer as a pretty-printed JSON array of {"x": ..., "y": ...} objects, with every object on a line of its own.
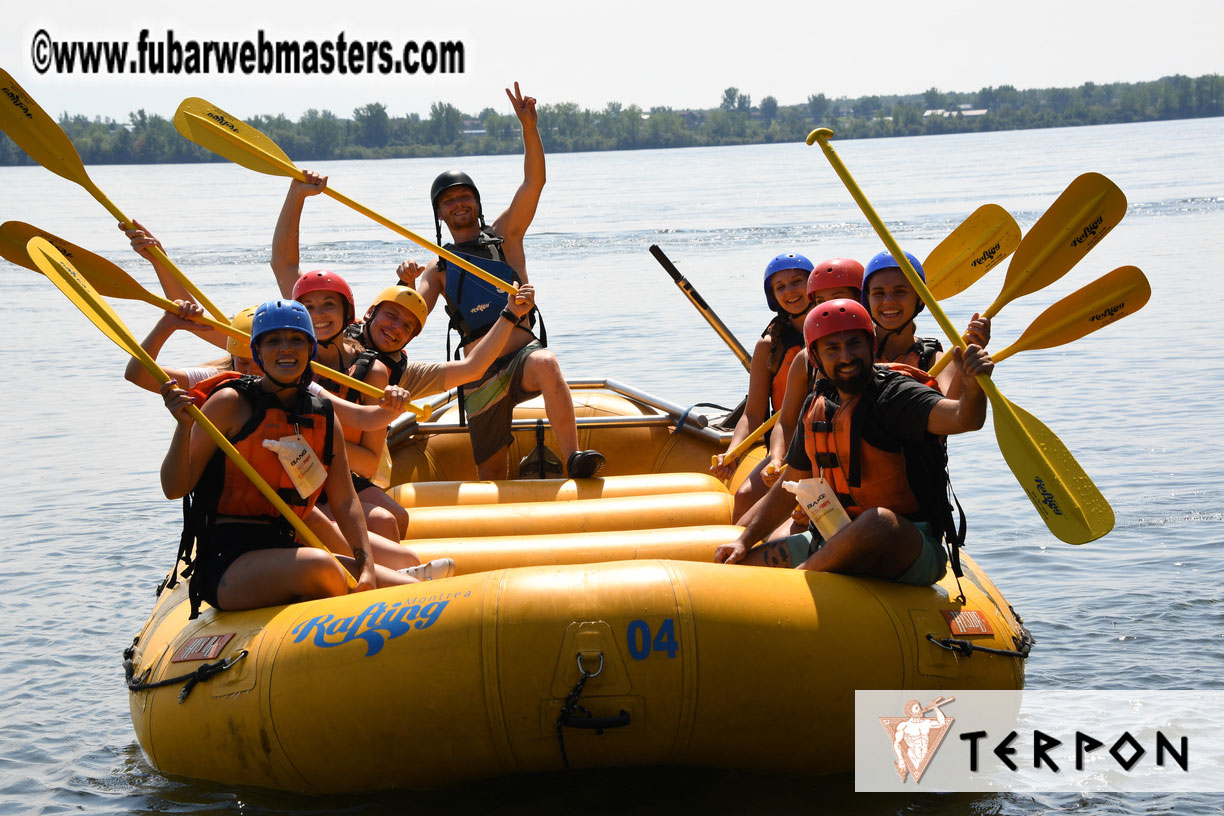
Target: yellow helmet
[
  {"x": 409, "y": 298},
  {"x": 242, "y": 322}
]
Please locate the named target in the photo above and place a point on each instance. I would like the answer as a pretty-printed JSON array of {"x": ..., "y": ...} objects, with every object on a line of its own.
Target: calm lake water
[{"x": 87, "y": 534}]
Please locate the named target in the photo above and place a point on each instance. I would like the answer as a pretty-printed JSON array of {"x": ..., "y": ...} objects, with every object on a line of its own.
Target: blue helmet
[
  {"x": 787, "y": 260},
  {"x": 281, "y": 314},
  {"x": 885, "y": 260}
]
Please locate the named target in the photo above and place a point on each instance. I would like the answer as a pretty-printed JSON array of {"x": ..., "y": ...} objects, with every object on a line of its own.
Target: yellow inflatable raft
[{"x": 582, "y": 644}]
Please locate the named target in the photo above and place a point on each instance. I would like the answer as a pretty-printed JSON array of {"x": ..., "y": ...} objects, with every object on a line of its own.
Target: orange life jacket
[
  {"x": 864, "y": 475},
  {"x": 777, "y": 387},
  {"x": 310, "y": 416}
]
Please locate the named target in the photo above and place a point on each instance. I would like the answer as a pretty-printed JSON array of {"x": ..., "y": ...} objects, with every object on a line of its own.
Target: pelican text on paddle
[
  {"x": 987, "y": 256},
  {"x": 18, "y": 102},
  {"x": 1108, "y": 313},
  {"x": 1047, "y": 498},
  {"x": 1090, "y": 231},
  {"x": 263, "y": 54}
]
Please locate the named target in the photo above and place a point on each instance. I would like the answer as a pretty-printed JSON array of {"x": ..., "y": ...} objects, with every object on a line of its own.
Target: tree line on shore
[{"x": 371, "y": 133}]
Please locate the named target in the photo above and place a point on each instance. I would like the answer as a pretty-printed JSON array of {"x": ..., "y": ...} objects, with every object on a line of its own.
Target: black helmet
[{"x": 449, "y": 179}]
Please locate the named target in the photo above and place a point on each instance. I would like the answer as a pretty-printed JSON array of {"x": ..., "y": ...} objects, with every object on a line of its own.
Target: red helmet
[
  {"x": 322, "y": 280},
  {"x": 834, "y": 316},
  {"x": 835, "y": 273}
]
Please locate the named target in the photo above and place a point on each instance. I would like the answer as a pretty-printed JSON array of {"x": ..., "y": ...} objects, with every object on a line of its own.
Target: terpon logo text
[
  {"x": 1108, "y": 313},
  {"x": 18, "y": 102},
  {"x": 986, "y": 256},
  {"x": 376, "y": 624},
  {"x": 221, "y": 120},
  {"x": 1090, "y": 231},
  {"x": 480, "y": 308},
  {"x": 1047, "y": 498}
]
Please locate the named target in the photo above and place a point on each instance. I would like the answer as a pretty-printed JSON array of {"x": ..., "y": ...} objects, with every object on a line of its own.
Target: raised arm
[
  {"x": 285, "y": 253},
  {"x": 513, "y": 223},
  {"x": 968, "y": 412},
  {"x": 167, "y": 325},
  {"x": 143, "y": 242}
]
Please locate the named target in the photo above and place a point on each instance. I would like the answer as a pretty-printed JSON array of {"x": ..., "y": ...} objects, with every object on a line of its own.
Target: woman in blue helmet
[
  {"x": 245, "y": 554},
  {"x": 785, "y": 281},
  {"x": 893, "y": 304}
]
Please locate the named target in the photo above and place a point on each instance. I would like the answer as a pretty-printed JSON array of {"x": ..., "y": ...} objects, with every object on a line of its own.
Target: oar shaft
[
  {"x": 425, "y": 243},
  {"x": 748, "y": 441},
  {"x": 118, "y": 214},
  {"x": 287, "y": 168},
  {"x": 703, "y": 308}
]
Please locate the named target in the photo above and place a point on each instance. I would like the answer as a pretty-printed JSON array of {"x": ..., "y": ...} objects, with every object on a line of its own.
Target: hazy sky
[{"x": 649, "y": 53}]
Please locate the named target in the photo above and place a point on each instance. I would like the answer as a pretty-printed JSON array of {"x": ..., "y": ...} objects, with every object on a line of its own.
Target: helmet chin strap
[{"x": 885, "y": 334}]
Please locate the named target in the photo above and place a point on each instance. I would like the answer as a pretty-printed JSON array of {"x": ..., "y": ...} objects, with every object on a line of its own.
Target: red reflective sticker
[
  {"x": 967, "y": 622},
  {"x": 205, "y": 647}
]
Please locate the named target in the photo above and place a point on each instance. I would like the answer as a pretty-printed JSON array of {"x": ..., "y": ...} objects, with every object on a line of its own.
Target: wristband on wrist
[{"x": 511, "y": 316}]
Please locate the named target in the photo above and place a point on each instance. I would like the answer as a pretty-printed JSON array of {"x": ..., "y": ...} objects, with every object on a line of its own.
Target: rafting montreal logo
[{"x": 916, "y": 737}]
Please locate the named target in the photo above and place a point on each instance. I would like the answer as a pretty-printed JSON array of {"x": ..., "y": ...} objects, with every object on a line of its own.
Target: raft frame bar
[{"x": 668, "y": 413}]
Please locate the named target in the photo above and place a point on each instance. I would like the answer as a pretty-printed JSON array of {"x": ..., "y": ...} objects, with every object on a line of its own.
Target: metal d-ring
[{"x": 594, "y": 673}]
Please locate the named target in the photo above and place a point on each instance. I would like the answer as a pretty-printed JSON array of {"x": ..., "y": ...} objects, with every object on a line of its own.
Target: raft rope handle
[
  {"x": 587, "y": 720},
  {"x": 189, "y": 680},
  {"x": 964, "y": 647}
]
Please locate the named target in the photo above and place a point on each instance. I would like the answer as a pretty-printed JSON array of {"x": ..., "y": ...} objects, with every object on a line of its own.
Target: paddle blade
[
  {"x": 212, "y": 128},
  {"x": 1087, "y": 210},
  {"x": 105, "y": 277},
  {"x": 980, "y": 243},
  {"x": 1063, "y": 494},
  {"x": 66, "y": 278},
  {"x": 1111, "y": 297},
  {"x": 37, "y": 134}
]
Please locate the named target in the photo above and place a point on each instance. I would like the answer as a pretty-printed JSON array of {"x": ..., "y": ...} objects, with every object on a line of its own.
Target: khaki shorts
[{"x": 490, "y": 404}]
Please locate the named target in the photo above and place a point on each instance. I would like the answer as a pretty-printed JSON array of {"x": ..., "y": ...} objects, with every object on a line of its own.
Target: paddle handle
[
  {"x": 703, "y": 308},
  {"x": 488, "y": 277},
  {"x": 748, "y": 441}
]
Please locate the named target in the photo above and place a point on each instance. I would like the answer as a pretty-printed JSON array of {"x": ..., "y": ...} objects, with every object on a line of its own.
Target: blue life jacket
[{"x": 475, "y": 305}]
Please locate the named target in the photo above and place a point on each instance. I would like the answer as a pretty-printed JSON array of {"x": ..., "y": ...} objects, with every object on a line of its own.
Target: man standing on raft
[
  {"x": 873, "y": 431},
  {"x": 526, "y": 368}
]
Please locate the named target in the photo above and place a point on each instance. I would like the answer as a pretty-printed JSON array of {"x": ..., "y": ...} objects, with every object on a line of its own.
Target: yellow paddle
[
  {"x": 748, "y": 441},
  {"x": 1110, "y": 297},
  {"x": 41, "y": 138},
  {"x": 109, "y": 280},
  {"x": 229, "y": 137},
  {"x": 1079, "y": 218},
  {"x": 69, "y": 281},
  {"x": 971, "y": 250},
  {"x": 1067, "y": 500}
]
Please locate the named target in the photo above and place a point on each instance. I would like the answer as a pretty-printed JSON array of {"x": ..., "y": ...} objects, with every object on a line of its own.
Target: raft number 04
[{"x": 641, "y": 643}]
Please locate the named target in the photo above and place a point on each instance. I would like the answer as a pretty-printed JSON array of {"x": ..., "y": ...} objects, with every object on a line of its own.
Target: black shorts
[
  {"x": 226, "y": 542},
  {"x": 360, "y": 483}
]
